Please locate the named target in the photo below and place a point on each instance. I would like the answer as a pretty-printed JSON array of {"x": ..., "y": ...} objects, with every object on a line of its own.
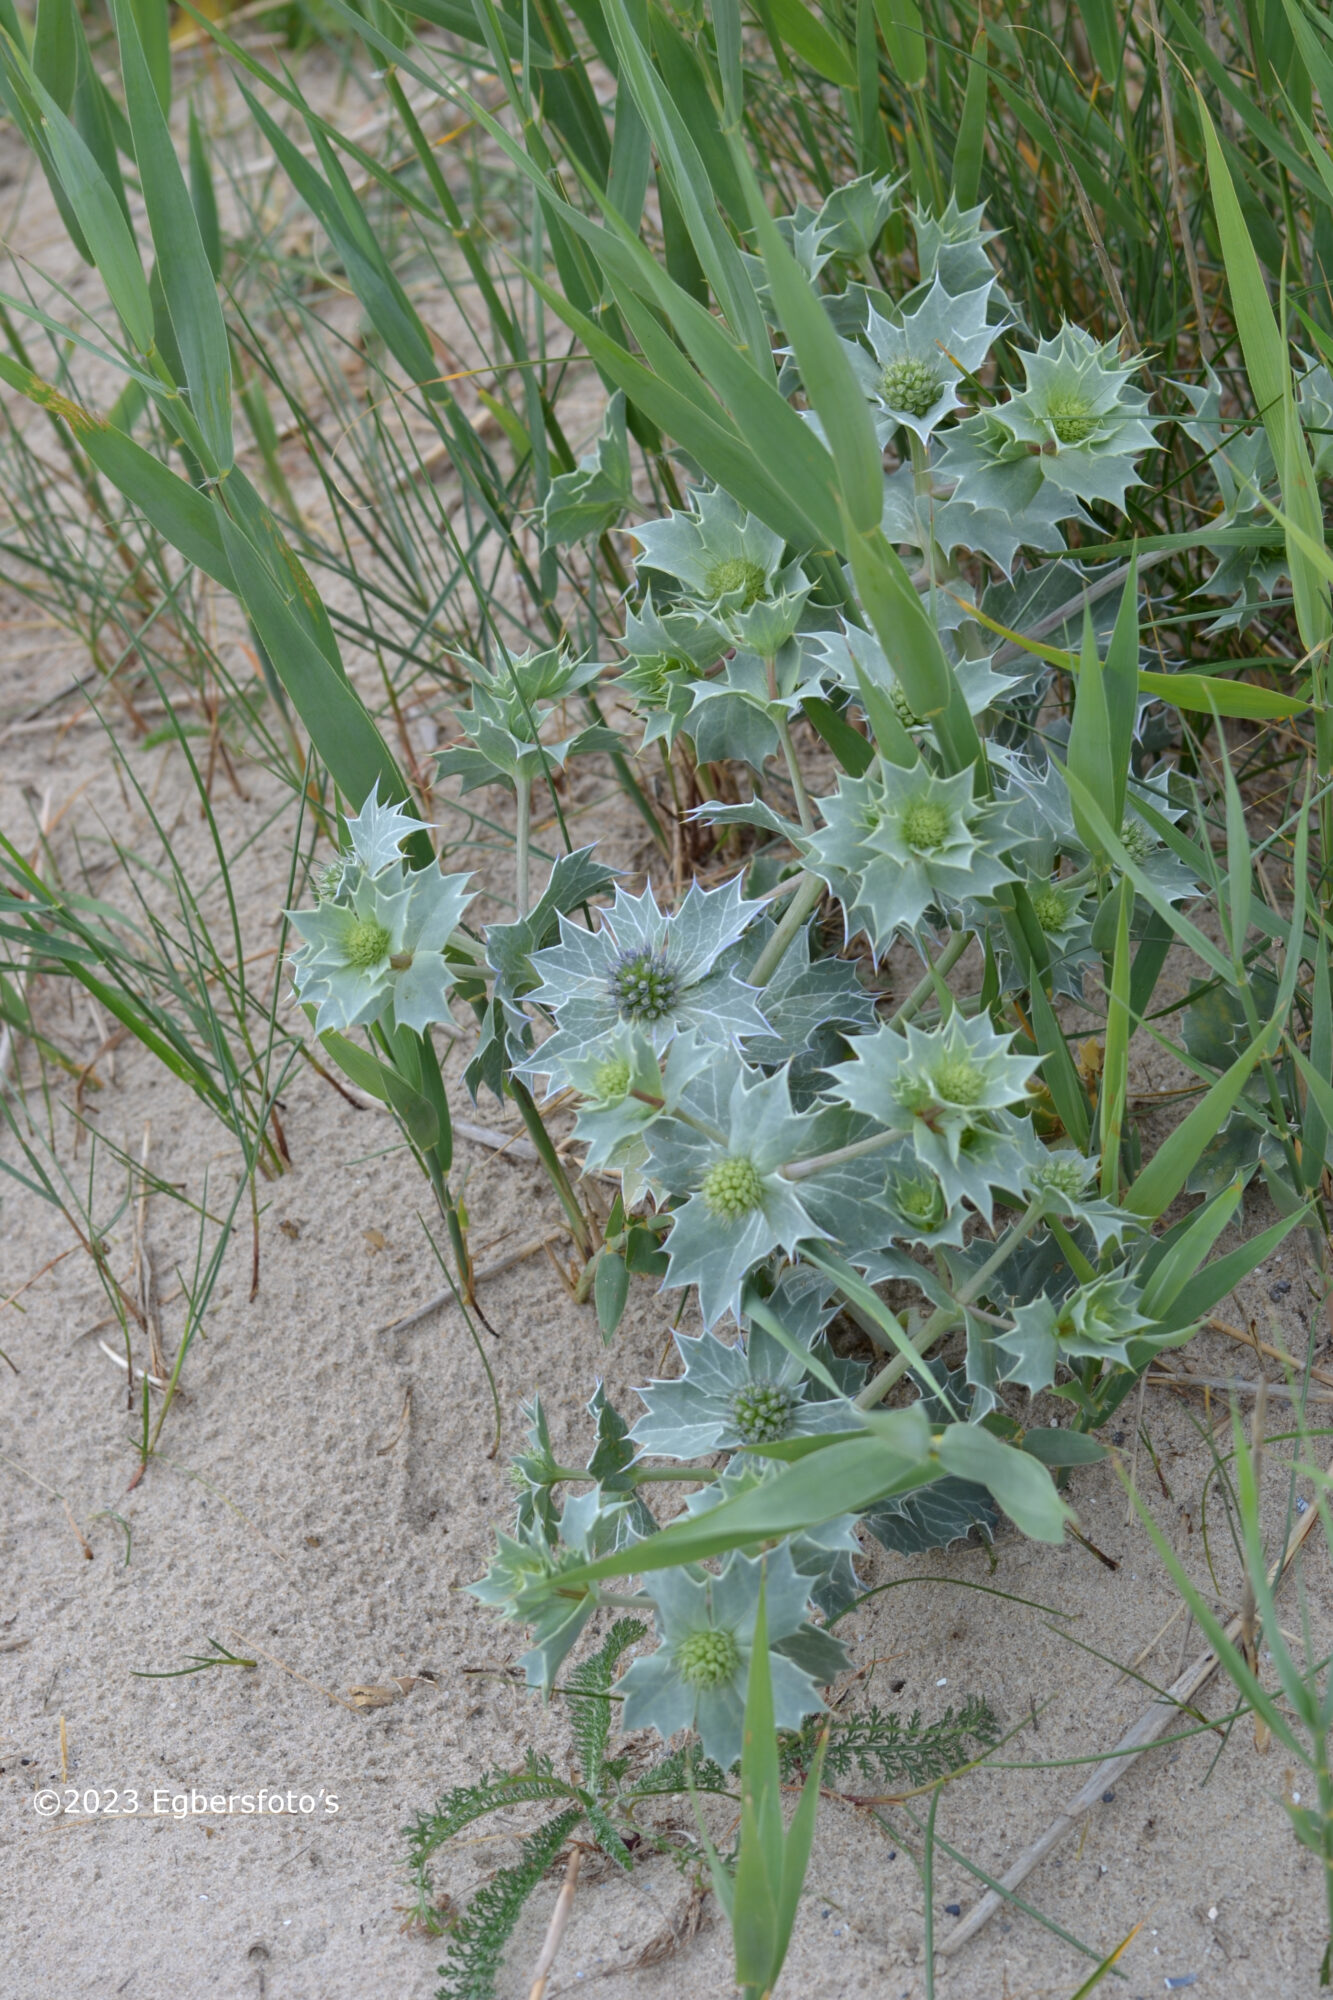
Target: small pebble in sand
[{"x": 1182, "y": 1980}]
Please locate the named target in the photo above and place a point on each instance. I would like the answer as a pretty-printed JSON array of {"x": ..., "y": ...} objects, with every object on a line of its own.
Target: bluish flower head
[
  {"x": 897, "y": 841},
  {"x": 643, "y": 969},
  {"x": 380, "y": 945},
  {"x": 915, "y": 365},
  {"x": 752, "y": 1393},
  {"x": 716, "y": 553},
  {"x": 697, "y": 1679},
  {"x": 740, "y": 1207},
  {"x": 1089, "y": 425},
  {"x": 936, "y": 1085},
  {"x": 1095, "y": 1322}
]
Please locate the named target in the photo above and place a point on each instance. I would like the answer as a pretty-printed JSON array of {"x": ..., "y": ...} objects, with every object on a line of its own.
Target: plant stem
[
  {"x": 522, "y": 828},
  {"x": 807, "y": 895},
  {"x": 554, "y": 1165},
  {"x": 878, "y": 1387},
  {"x": 925, "y": 986},
  {"x": 803, "y": 806},
  {"x": 801, "y": 1170}
]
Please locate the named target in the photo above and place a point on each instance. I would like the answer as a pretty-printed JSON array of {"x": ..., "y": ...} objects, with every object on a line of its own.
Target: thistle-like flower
[
  {"x": 698, "y": 1676},
  {"x": 624, "y": 1086},
  {"x": 378, "y": 943},
  {"x": 753, "y": 1393},
  {"x": 917, "y": 362},
  {"x": 511, "y": 706},
  {"x": 1061, "y": 1178},
  {"x": 657, "y": 973},
  {"x": 523, "y": 1581},
  {"x": 728, "y": 568},
  {"x": 1095, "y": 1322},
  {"x": 1089, "y": 424},
  {"x": 728, "y": 1158},
  {"x": 897, "y": 841},
  {"x": 937, "y": 1086}
]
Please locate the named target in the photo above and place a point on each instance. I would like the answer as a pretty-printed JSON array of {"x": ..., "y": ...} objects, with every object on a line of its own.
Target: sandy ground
[
  {"x": 323, "y": 1492},
  {"x": 299, "y": 1517}
]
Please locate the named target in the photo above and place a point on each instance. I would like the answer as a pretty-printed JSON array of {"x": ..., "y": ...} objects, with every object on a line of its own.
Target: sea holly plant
[{"x": 856, "y": 1073}]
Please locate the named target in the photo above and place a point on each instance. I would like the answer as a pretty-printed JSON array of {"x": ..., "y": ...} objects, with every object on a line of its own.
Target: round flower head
[
  {"x": 660, "y": 974},
  {"x": 720, "y": 558},
  {"x": 1051, "y": 906},
  {"x": 751, "y": 1393},
  {"x": 763, "y": 1411},
  {"x": 698, "y": 1676},
  {"x": 1095, "y": 1322},
  {"x": 910, "y": 388},
  {"x": 934, "y": 1086},
  {"x": 916, "y": 363},
  {"x": 644, "y": 985},
  {"x": 741, "y": 1206},
  {"x": 1079, "y": 409},
  {"x": 379, "y": 948},
  {"x": 906, "y": 839}
]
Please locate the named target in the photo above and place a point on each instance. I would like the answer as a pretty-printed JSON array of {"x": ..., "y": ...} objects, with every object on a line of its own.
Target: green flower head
[
  {"x": 728, "y": 1161},
  {"x": 376, "y": 950},
  {"x": 699, "y": 1674},
  {"x": 751, "y": 1393},
  {"x": 936, "y": 1087},
  {"x": 912, "y": 368},
  {"x": 907, "y": 840},
  {"x": 1081, "y": 412},
  {"x": 726, "y": 568}
]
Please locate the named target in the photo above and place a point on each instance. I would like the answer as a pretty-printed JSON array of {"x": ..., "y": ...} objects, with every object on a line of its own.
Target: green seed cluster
[
  {"x": 958, "y": 1080},
  {"x": 708, "y": 1659},
  {"x": 1071, "y": 417},
  {"x": 611, "y": 1078},
  {"x": 1050, "y": 908},
  {"x": 738, "y": 574},
  {"x": 910, "y": 386},
  {"x": 330, "y": 882},
  {"x": 643, "y": 986},
  {"x": 925, "y": 825},
  {"x": 367, "y": 943},
  {"x": 732, "y": 1188},
  {"x": 921, "y": 1202},
  {"x": 1062, "y": 1177},
  {"x": 1138, "y": 840},
  {"x": 762, "y": 1411}
]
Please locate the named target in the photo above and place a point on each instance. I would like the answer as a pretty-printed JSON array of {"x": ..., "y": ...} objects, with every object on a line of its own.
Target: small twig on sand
[
  {"x": 555, "y": 1930},
  {"x": 532, "y": 1248},
  {"x": 1140, "y": 1735},
  {"x": 305, "y": 1679}
]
